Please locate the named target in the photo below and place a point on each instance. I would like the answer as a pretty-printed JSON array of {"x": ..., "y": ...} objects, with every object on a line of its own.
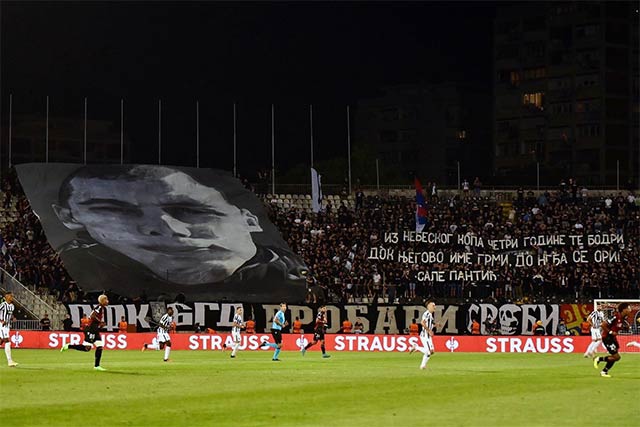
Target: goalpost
[{"x": 631, "y": 335}]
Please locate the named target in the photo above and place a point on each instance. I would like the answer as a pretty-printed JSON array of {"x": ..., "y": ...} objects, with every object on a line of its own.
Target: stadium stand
[
  {"x": 34, "y": 272},
  {"x": 336, "y": 242},
  {"x": 335, "y": 245}
]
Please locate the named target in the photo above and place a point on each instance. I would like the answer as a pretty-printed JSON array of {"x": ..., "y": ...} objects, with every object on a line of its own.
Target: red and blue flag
[{"x": 421, "y": 208}]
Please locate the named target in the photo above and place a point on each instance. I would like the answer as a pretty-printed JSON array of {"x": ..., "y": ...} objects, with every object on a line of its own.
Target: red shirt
[
  {"x": 320, "y": 320},
  {"x": 614, "y": 324},
  {"x": 96, "y": 317}
]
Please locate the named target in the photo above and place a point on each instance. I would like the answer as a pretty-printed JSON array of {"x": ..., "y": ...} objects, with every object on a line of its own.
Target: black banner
[{"x": 506, "y": 319}]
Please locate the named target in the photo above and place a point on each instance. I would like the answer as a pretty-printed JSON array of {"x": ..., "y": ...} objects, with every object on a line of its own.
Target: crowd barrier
[{"x": 334, "y": 342}]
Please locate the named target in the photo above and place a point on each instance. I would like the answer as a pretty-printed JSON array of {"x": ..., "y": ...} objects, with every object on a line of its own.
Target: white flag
[{"x": 316, "y": 191}]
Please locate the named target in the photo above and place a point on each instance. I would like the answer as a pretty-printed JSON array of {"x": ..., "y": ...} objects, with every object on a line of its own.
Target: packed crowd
[
  {"x": 32, "y": 260},
  {"x": 336, "y": 245}
]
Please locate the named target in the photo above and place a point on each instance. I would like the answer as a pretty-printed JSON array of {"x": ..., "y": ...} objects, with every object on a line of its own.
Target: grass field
[{"x": 199, "y": 388}]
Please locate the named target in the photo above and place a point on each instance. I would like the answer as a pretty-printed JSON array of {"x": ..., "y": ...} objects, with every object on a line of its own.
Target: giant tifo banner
[
  {"x": 505, "y": 319},
  {"x": 333, "y": 342},
  {"x": 162, "y": 230}
]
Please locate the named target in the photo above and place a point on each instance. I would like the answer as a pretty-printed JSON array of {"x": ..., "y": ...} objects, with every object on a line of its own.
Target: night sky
[{"x": 254, "y": 54}]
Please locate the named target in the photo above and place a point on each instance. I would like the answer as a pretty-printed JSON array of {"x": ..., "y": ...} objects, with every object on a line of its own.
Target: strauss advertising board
[{"x": 334, "y": 342}]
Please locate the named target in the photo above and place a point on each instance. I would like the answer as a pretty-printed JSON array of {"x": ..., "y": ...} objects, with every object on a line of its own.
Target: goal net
[{"x": 629, "y": 338}]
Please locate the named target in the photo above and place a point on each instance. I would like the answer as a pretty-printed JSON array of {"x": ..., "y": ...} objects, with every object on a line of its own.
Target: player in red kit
[
  {"x": 92, "y": 333},
  {"x": 610, "y": 329},
  {"x": 318, "y": 332}
]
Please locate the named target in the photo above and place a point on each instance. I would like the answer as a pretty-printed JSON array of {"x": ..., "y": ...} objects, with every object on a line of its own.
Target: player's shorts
[
  {"x": 610, "y": 342},
  {"x": 4, "y": 332},
  {"x": 596, "y": 334},
  {"x": 318, "y": 334},
  {"x": 427, "y": 341},
  {"x": 91, "y": 338},
  {"x": 163, "y": 336},
  {"x": 277, "y": 335},
  {"x": 235, "y": 335}
]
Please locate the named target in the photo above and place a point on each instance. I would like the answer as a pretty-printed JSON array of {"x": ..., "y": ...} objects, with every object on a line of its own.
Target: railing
[
  {"x": 27, "y": 299},
  {"x": 26, "y": 325},
  {"x": 492, "y": 191}
]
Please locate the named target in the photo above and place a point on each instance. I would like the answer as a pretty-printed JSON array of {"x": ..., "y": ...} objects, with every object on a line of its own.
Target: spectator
[
  {"x": 358, "y": 327},
  {"x": 477, "y": 187},
  {"x": 297, "y": 326},
  {"x": 489, "y": 326},
  {"x": 45, "y": 323},
  {"x": 67, "y": 323},
  {"x": 359, "y": 199},
  {"x": 346, "y": 326},
  {"x": 520, "y": 196},
  {"x": 574, "y": 188},
  {"x": 122, "y": 325},
  {"x": 562, "y": 328},
  {"x": 84, "y": 322},
  {"x": 475, "y": 327},
  {"x": 585, "y": 327},
  {"x": 250, "y": 326},
  {"x": 414, "y": 329},
  {"x": 563, "y": 187},
  {"x": 538, "y": 329}
]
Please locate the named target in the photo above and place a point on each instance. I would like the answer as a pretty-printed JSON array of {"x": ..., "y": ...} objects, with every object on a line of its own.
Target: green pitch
[{"x": 200, "y": 388}]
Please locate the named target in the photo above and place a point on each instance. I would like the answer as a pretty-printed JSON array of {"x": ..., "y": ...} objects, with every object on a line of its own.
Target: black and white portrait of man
[{"x": 182, "y": 230}]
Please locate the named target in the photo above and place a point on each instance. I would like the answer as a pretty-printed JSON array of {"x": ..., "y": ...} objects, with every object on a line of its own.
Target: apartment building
[{"x": 566, "y": 92}]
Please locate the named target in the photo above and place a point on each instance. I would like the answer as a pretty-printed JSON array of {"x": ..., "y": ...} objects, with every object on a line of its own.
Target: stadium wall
[{"x": 511, "y": 319}]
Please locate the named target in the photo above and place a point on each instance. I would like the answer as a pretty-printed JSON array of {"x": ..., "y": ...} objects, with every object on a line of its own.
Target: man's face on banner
[{"x": 183, "y": 231}]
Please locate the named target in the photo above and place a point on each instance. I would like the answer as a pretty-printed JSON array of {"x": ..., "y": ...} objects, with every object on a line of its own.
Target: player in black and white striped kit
[
  {"x": 162, "y": 338},
  {"x": 238, "y": 324},
  {"x": 595, "y": 318},
  {"x": 6, "y": 314},
  {"x": 426, "y": 336}
]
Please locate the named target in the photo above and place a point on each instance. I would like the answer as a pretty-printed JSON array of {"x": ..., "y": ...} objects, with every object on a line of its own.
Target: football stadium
[{"x": 319, "y": 214}]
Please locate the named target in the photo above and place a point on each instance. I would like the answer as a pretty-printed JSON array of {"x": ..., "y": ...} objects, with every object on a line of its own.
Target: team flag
[
  {"x": 421, "y": 209},
  {"x": 316, "y": 191}
]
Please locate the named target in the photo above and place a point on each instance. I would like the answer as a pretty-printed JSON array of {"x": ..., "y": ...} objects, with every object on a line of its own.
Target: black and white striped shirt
[
  {"x": 6, "y": 313},
  {"x": 427, "y": 321},
  {"x": 596, "y": 318},
  {"x": 237, "y": 320},
  {"x": 165, "y": 323}
]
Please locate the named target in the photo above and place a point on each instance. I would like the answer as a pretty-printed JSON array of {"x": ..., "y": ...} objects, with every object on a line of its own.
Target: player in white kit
[
  {"x": 6, "y": 314},
  {"x": 238, "y": 324},
  {"x": 426, "y": 336},
  {"x": 163, "y": 339},
  {"x": 595, "y": 318}
]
